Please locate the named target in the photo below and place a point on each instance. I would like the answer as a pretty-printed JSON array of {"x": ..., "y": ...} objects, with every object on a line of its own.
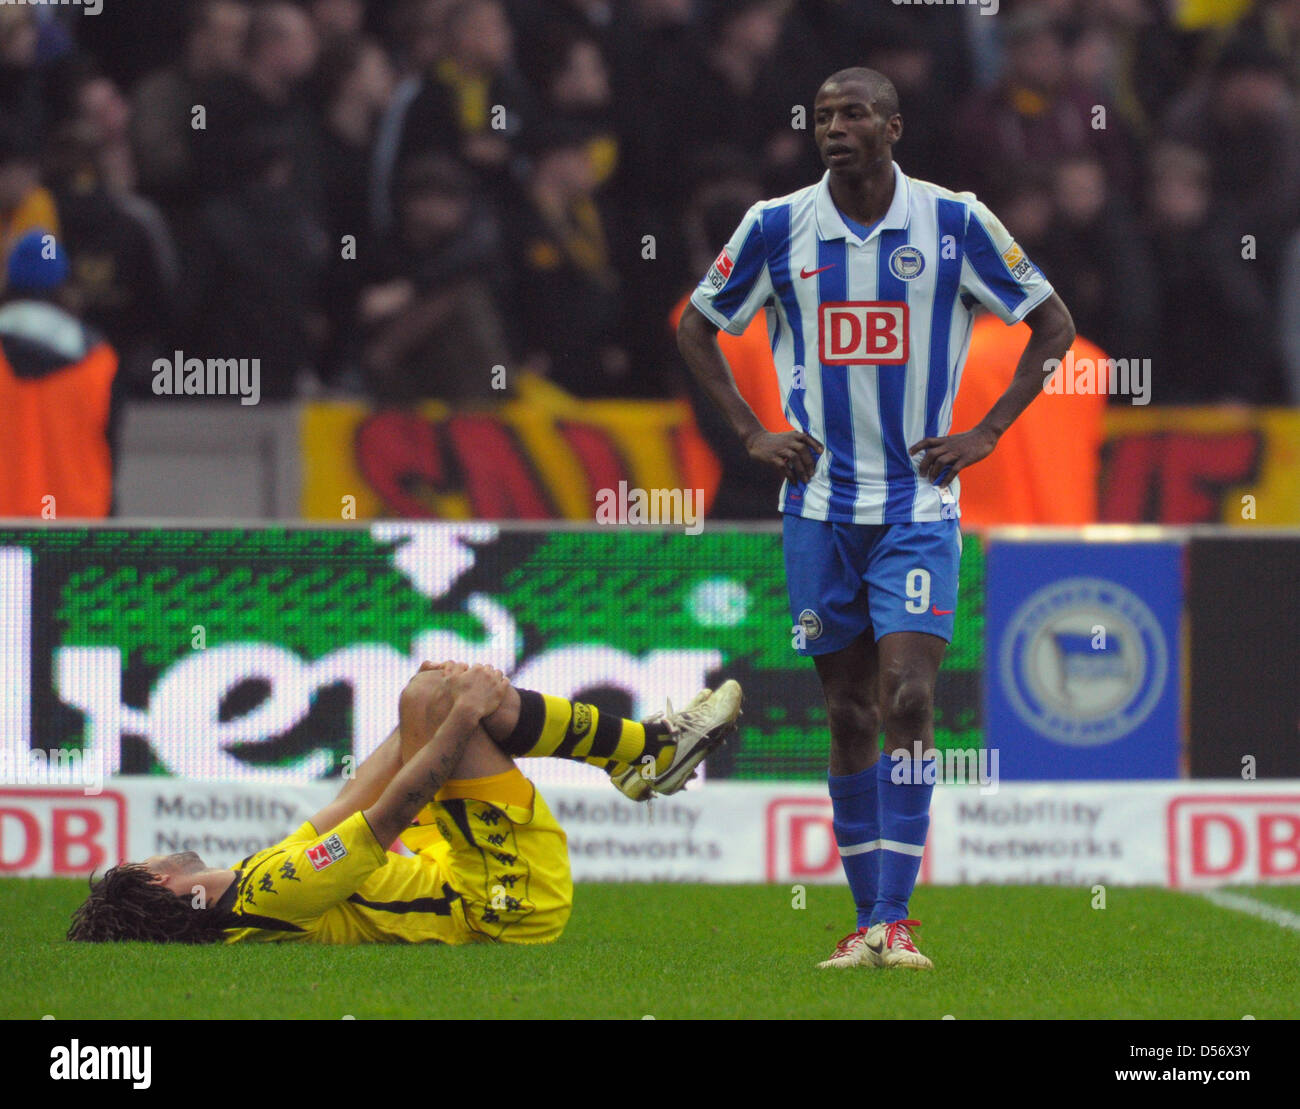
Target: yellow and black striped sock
[{"x": 551, "y": 727}]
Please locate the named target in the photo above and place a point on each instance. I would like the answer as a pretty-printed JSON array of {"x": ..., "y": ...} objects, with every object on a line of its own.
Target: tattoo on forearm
[{"x": 416, "y": 799}]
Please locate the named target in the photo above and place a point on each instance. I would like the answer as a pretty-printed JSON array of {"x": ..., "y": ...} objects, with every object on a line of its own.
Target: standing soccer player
[{"x": 871, "y": 280}]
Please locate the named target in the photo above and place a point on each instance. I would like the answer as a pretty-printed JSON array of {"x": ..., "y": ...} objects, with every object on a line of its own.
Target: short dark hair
[
  {"x": 880, "y": 88},
  {"x": 437, "y": 174},
  {"x": 718, "y": 17},
  {"x": 200, "y": 13},
  {"x": 267, "y": 25},
  {"x": 127, "y": 904},
  {"x": 338, "y": 61},
  {"x": 17, "y": 145}
]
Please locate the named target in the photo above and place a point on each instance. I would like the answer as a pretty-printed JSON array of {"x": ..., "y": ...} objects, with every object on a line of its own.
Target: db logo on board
[
  {"x": 860, "y": 332},
  {"x": 801, "y": 842},
  {"x": 1217, "y": 840},
  {"x": 60, "y": 832}
]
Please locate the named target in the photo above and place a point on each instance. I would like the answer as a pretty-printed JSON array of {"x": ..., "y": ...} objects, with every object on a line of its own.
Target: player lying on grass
[{"x": 490, "y": 862}]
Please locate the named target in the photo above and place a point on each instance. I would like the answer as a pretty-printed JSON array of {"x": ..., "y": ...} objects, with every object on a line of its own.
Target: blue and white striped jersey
[{"x": 869, "y": 335}]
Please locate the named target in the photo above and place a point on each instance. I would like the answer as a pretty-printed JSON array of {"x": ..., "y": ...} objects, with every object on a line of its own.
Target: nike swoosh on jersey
[
  {"x": 943, "y": 611},
  {"x": 810, "y": 273}
]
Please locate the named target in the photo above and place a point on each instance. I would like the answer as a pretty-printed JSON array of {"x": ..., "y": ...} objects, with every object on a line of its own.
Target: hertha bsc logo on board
[
  {"x": 862, "y": 333},
  {"x": 720, "y": 270},
  {"x": 1083, "y": 661},
  {"x": 329, "y": 850}
]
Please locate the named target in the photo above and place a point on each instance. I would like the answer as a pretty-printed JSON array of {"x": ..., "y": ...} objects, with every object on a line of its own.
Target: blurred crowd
[{"x": 390, "y": 198}]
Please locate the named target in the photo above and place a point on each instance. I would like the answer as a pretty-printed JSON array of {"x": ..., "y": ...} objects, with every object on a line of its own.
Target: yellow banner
[
  {"x": 545, "y": 455},
  {"x": 541, "y": 455},
  {"x": 1223, "y": 465}
]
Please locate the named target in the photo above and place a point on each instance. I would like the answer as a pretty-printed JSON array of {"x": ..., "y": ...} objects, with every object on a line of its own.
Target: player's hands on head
[
  {"x": 481, "y": 688},
  {"x": 791, "y": 452},
  {"x": 947, "y": 455}
]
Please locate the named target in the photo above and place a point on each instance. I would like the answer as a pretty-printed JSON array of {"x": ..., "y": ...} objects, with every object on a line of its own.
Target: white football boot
[
  {"x": 697, "y": 730},
  {"x": 636, "y": 780},
  {"x": 894, "y": 942},
  {"x": 853, "y": 951}
]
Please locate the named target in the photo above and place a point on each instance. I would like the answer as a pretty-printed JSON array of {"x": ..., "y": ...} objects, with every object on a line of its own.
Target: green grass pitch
[{"x": 678, "y": 951}]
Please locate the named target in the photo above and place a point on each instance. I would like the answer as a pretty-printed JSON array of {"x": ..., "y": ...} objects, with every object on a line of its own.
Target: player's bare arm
[
  {"x": 1052, "y": 332},
  {"x": 476, "y": 693},
  {"x": 379, "y": 768},
  {"x": 791, "y": 452},
  {"x": 366, "y": 787}
]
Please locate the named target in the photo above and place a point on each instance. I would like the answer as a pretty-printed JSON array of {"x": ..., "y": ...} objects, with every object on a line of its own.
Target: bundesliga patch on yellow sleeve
[
  {"x": 305, "y": 876},
  {"x": 327, "y": 852}
]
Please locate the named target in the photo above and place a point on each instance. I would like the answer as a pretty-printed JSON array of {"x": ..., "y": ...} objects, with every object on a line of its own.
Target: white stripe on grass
[{"x": 1261, "y": 909}]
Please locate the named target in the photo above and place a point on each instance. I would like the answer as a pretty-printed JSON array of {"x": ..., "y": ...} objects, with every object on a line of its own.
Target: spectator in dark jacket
[
  {"x": 23, "y": 85},
  {"x": 1246, "y": 120},
  {"x": 256, "y": 266},
  {"x": 567, "y": 303},
  {"x": 1099, "y": 261},
  {"x": 1034, "y": 114},
  {"x": 472, "y": 103},
  {"x": 280, "y": 55},
  {"x": 163, "y": 103},
  {"x": 125, "y": 270},
  {"x": 354, "y": 85},
  {"x": 428, "y": 317},
  {"x": 1216, "y": 338}
]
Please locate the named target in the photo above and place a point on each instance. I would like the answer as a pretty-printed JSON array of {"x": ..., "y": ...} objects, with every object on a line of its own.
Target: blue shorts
[{"x": 847, "y": 578}]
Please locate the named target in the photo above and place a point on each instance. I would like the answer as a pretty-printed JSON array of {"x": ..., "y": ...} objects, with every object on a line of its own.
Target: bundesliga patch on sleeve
[
  {"x": 328, "y": 851},
  {"x": 1021, "y": 267},
  {"x": 720, "y": 270}
]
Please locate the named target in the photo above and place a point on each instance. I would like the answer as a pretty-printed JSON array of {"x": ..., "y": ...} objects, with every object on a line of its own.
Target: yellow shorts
[{"x": 497, "y": 845}]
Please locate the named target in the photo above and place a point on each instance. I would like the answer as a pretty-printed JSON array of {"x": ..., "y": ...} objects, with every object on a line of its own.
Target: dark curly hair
[{"x": 127, "y": 904}]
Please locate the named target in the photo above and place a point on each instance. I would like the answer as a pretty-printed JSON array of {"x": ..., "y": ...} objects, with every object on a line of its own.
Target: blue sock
[
  {"x": 904, "y": 822},
  {"x": 855, "y": 817}
]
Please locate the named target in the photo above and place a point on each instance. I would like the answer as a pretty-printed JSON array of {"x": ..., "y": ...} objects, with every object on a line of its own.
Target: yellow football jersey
[{"x": 490, "y": 864}]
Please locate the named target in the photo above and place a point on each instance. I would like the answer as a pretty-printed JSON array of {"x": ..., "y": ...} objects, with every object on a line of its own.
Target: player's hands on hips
[
  {"x": 947, "y": 455},
  {"x": 791, "y": 452},
  {"x": 481, "y": 688}
]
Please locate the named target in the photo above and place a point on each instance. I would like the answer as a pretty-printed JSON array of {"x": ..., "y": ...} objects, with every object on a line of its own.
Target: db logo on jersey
[
  {"x": 862, "y": 332},
  {"x": 329, "y": 850}
]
